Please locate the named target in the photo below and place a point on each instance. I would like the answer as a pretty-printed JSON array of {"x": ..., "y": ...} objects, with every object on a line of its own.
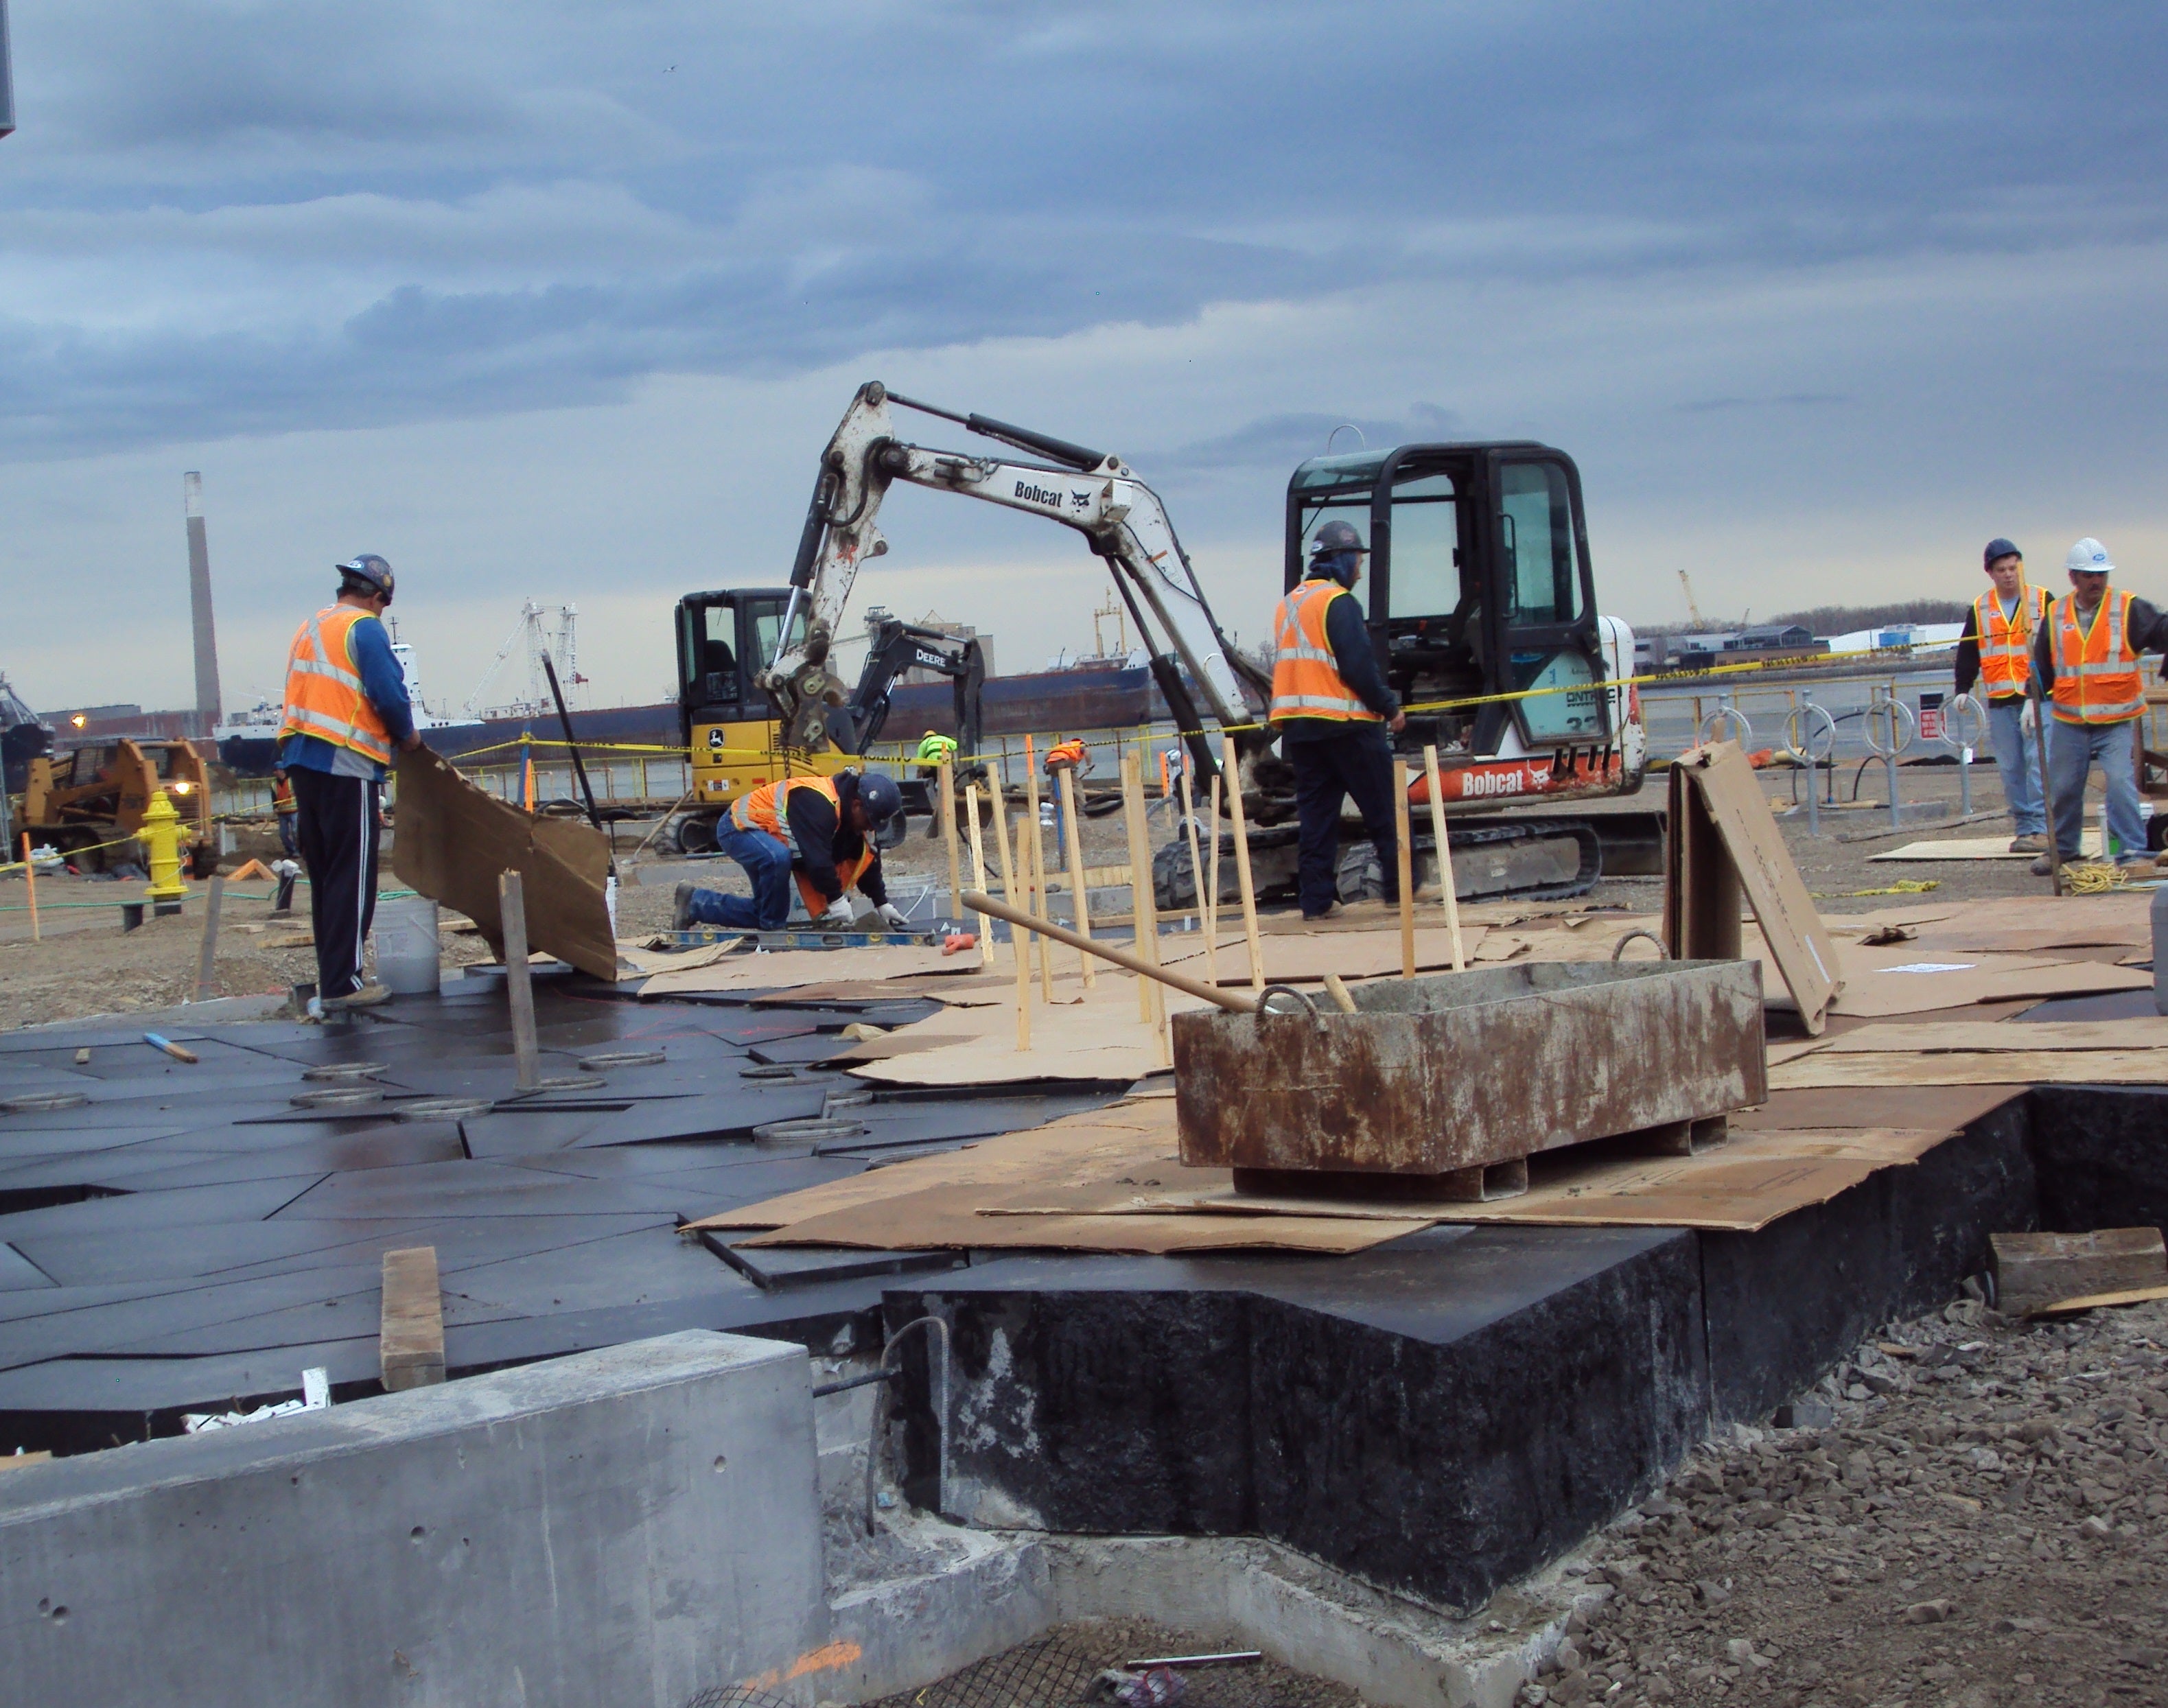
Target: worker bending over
[
  {"x": 346, "y": 710},
  {"x": 1996, "y": 651},
  {"x": 825, "y": 832},
  {"x": 1332, "y": 707},
  {"x": 1068, "y": 755},
  {"x": 2087, "y": 656}
]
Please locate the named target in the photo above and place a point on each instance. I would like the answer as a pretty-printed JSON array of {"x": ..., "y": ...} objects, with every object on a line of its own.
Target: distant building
[{"x": 1776, "y": 636}]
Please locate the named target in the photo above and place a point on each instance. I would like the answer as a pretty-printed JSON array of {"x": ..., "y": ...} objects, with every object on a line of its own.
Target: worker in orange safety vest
[
  {"x": 1332, "y": 707},
  {"x": 2086, "y": 659},
  {"x": 346, "y": 709},
  {"x": 825, "y": 832},
  {"x": 1994, "y": 654}
]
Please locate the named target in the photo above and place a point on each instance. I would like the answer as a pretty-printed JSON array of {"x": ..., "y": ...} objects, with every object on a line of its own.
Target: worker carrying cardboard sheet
[{"x": 825, "y": 832}]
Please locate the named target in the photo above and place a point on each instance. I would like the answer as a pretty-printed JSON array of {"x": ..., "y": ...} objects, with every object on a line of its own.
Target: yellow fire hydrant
[{"x": 161, "y": 837}]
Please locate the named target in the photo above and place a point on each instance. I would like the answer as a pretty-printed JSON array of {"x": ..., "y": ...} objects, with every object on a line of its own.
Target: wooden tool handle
[{"x": 1235, "y": 1002}]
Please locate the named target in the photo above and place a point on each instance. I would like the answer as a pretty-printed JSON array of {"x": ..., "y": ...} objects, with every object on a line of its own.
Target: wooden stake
[
  {"x": 1143, "y": 905},
  {"x": 1211, "y": 899},
  {"x": 1196, "y": 860},
  {"x": 1404, "y": 860},
  {"x": 1242, "y": 861},
  {"x": 978, "y": 848},
  {"x": 948, "y": 836},
  {"x": 30, "y": 883},
  {"x": 207, "y": 959},
  {"x": 1009, "y": 889},
  {"x": 1073, "y": 852},
  {"x": 1042, "y": 904},
  {"x": 1021, "y": 937},
  {"x": 518, "y": 979},
  {"x": 1234, "y": 1001},
  {"x": 1338, "y": 992},
  {"x": 1444, "y": 856}
]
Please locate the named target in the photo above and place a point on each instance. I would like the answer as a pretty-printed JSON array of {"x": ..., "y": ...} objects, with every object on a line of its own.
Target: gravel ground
[{"x": 1979, "y": 1524}]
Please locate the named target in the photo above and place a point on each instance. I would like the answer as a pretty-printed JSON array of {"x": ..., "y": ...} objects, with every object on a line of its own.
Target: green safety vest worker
[{"x": 936, "y": 750}]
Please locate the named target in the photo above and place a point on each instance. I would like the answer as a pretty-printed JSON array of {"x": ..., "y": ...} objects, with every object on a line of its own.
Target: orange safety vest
[
  {"x": 1306, "y": 681},
  {"x": 1070, "y": 753},
  {"x": 282, "y": 795},
  {"x": 2005, "y": 643},
  {"x": 324, "y": 695},
  {"x": 766, "y": 808},
  {"x": 2097, "y": 675}
]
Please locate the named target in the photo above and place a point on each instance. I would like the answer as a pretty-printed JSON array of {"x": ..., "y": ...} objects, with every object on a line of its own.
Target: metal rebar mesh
[
  {"x": 1052, "y": 1672},
  {"x": 737, "y": 1696}
]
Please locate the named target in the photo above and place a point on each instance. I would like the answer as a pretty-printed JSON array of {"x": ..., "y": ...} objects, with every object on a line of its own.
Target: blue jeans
[
  {"x": 2017, "y": 757},
  {"x": 2071, "y": 752},
  {"x": 767, "y": 862}
]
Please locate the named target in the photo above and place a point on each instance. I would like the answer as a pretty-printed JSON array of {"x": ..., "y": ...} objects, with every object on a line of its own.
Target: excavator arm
[{"x": 1089, "y": 491}]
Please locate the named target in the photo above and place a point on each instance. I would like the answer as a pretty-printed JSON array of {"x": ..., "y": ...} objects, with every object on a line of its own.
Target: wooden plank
[
  {"x": 2037, "y": 1271},
  {"x": 518, "y": 977},
  {"x": 1828, "y": 1069},
  {"x": 207, "y": 961},
  {"x": 411, "y": 1342}
]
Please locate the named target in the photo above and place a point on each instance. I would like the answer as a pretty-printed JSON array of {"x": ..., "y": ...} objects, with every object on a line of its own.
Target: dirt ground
[
  {"x": 86, "y": 965},
  {"x": 1980, "y": 1524}
]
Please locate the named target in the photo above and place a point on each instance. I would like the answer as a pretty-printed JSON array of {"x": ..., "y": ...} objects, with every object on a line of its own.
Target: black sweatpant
[
  {"x": 337, "y": 823},
  {"x": 1358, "y": 767}
]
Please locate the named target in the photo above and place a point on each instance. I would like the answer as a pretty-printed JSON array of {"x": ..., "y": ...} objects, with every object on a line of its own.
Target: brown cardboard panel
[
  {"x": 2142, "y": 1033},
  {"x": 1882, "y": 992},
  {"x": 1942, "y": 1108},
  {"x": 791, "y": 967},
  {"x": 1721, "y": 816},
  {"x": 1830, "y": 1069},
  {"x": 455, "y": 842}
]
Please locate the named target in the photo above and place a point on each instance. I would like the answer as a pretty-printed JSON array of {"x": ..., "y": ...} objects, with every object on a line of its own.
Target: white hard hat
[{"x": 2090, "y": 556}]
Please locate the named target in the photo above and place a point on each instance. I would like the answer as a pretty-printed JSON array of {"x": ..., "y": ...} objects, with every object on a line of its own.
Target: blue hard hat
[
  {"x": 1999, "y": 548},
  {"x": 369, "y": 569}
]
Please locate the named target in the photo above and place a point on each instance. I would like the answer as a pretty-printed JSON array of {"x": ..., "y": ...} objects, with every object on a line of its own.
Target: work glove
[
  {"x": 891, "y": 916},
  {"x": 839, "y": 912}
]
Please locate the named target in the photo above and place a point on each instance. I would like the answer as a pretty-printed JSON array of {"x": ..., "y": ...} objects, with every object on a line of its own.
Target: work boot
[
  {"x": 681, "y": 907},
  {"x": 1330, "y": 908},
  {"x": 2043, "y": 866},
  {"x": 367, "y": 996},
  {"x": 2032, "y": 842}
]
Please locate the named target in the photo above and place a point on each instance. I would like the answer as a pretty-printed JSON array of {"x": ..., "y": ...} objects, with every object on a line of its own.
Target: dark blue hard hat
[
  {"x": 1999, "y": 548},
  {"x": 883, "y": 804},
  {"x": 369, "y": 570},
  {"x": 1337, "y": 537}
]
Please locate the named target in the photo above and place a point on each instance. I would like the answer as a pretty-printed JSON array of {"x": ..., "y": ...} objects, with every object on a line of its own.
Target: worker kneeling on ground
[
  {"x": 2088, "y": 656},
  {"x": 825, "y": 832},
  {"x": 1332, "y": 707},
  {"x": 346, "y": 709}
]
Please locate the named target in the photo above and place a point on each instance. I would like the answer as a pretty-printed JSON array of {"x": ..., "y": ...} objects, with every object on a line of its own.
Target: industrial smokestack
[
  {"x": 6, "y": 77},
  {"x": 207, "y": 698}
]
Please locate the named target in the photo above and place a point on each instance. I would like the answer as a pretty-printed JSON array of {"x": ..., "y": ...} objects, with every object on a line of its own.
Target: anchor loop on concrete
[{"x": 888, "y": 1368}]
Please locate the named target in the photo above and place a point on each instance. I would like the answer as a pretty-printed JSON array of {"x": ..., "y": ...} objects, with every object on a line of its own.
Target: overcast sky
[{"x": 563, "y": 300}]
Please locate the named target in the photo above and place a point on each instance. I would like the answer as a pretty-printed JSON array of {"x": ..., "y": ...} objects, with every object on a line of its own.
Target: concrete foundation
[{"x": 627, "y": 1526}]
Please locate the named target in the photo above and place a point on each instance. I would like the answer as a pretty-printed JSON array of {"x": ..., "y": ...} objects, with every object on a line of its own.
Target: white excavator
[{"x": 1479, "y": 596}]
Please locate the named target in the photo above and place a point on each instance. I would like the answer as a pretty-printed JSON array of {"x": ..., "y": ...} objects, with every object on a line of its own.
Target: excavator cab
[
  {"x": 725, "y": 638},
  {"x": 1478, "y": 584}
]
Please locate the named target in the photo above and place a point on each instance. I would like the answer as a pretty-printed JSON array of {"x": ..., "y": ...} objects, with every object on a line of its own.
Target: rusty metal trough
[{"x": 1443, "y": 1087}]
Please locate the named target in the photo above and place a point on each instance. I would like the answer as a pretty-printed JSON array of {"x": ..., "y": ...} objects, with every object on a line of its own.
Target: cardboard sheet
[
  {"x": 1093, "y": 1036},
  {"x": 1828, "y": 1069},
  {"x": 1989, "y": 978},
  {"x": 1943, "y": 1109},
  {"x": 1980, "y": 848},
  {"x": 796, "y": 967},
  {"x": 455, "y": 842},
  {"x": 2145, "y": 1032}
]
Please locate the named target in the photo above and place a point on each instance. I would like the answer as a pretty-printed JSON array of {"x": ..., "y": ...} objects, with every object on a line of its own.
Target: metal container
[{"x": 1437, "y": 1077}]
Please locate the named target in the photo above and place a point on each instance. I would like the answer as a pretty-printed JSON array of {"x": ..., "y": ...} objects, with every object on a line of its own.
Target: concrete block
[{"x": 626, "y": 1527}]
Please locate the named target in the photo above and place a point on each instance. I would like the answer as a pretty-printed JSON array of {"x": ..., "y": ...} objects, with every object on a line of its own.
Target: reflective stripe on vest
[
  {"x": 1306, "y": 680},
  {"x": 2005, "y": 643},
  {"x": 2097, "y": 675},
  {"x": 324, "y": 694}
]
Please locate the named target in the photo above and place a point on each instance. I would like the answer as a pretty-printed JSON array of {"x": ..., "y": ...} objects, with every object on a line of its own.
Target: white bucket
[{"x": 406, "y": 935}]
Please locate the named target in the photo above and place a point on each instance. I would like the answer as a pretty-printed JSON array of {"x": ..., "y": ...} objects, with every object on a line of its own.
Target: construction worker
[
  {"x": 1996, "y": 651},
  {"x": 1332, "y": 707},
  {"x": 1068, "y": 755},
  {"x": 934, "y": 751},
  {"x": 282, "y": 808},
  {"x": 2087, "y": 657},
  {"x": 346, "y": 710},
  {"x": 825, "y": 832}
]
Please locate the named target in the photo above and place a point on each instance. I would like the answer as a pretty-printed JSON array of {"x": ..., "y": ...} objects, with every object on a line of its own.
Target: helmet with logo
[
  {"x": 367, "y": 573},
  {"x": 1338, "y": 551},
  {"x": 2089, "y": 556},
  {"x": 883, "y": 804}
]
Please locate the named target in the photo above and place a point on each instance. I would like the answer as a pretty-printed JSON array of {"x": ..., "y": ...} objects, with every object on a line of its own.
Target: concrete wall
[{"x": 627, "y": 1526}]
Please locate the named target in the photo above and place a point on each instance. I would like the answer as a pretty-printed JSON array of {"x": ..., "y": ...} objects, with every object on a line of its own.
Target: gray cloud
[{"x": 231, "y": 217}]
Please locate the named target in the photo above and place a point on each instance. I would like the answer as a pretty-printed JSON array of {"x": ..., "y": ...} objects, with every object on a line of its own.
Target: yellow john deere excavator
[{"x": 1479, "y": 598}]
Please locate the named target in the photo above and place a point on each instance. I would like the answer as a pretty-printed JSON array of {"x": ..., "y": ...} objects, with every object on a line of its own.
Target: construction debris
[{"x": 2039, "y": 1272}]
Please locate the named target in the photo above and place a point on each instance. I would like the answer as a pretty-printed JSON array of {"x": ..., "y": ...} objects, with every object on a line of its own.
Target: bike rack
[
  {"x": 1799, "y": 740},
  {"x": 1744, "y": 734},
  {"x": 1885, "y": 708},
  {"x": 1973, "y": 715}
]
